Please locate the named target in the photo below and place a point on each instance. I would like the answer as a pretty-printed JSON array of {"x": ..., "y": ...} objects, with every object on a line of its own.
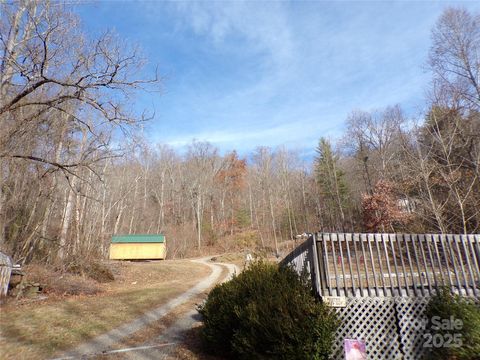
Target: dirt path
[
  {"x": 163, "y": 346},
  {"x": 103, "y": 343}
]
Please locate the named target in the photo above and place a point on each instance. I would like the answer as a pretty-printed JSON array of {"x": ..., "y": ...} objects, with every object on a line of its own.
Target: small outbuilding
[{"x": 132, "y": 247}]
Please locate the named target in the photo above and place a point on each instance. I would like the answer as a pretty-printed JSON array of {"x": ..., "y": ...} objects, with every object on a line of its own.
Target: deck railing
[
  {"x": 389, "y": 264},
  {"x": 303, "y": 259},
  {"x": 380, "y": 284}
]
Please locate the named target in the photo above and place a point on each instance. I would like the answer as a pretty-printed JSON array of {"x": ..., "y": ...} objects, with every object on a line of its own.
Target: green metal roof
[{"x": 158, "y": 238}]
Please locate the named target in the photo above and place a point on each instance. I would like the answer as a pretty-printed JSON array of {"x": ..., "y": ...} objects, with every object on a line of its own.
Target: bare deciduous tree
[{"x": 455, "y": 56}]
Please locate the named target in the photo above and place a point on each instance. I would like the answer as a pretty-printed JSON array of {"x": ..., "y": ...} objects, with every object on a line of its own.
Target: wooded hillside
[{"x": 75, "y": 168}]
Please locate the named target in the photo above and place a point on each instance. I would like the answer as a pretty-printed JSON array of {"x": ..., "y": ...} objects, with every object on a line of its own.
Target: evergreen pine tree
[{"x": 331, "y": 181}]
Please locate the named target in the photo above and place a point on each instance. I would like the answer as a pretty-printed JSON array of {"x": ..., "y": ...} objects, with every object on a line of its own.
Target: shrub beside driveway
[{"x": 267, "y": 312}]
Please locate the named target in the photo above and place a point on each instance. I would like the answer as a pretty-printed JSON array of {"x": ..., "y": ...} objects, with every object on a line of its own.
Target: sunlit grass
[{"x": 39, "y": 330}]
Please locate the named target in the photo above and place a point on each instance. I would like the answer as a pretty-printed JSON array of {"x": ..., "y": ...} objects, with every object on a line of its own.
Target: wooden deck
[{"x": 390, "y": 264}]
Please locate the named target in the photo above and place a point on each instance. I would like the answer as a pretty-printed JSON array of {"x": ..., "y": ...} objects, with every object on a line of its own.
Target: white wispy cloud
[
  {"x": 264, "y": 26},
  {"x": 243, "y": 139},
  {"x": 294, "y": 70}
]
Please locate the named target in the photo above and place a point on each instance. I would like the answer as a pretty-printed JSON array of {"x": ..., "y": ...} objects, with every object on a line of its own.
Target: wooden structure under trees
[
  {"x": 6, "y": 266},
  {"x": 138, "y": 247},
  {"x": 380, "y": 284}
]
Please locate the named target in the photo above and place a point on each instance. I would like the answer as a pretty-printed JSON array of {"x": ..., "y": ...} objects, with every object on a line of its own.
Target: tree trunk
[
  {"x": 6, "y": 70},
  {"x": 199, "y": 222},
  {"x": 132, "y": 217},
  {"x": 273, "y": 223},
  {"x": 62, "y": 250},
  {"x": 2, "y": 206}
]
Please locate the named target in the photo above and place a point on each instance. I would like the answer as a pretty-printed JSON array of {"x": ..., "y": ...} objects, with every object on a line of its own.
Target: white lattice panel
[
  {"x": 372, "y": 320},
  {"x": 392, "y": 327},
  {"x": 406, "y": 269},
  {"x": 411, "y": 320}
]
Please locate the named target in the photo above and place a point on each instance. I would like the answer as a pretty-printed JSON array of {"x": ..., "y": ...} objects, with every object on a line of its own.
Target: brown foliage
[
  {"x": 55, "y": 282},
  {"x": 381, "y": 210},
  {"x": 92, "y": 269},
  {"x": 234, "y": 173}
]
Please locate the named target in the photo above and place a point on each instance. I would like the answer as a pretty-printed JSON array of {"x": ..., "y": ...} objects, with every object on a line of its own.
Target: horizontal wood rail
[{"x": 360, "y": 265}]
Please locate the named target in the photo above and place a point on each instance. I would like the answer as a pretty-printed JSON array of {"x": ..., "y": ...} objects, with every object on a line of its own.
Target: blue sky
[{"x": 247, "y": 74}]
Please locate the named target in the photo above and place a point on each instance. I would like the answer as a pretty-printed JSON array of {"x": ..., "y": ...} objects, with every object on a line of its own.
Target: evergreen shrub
[{"x": 267, "y": 312}]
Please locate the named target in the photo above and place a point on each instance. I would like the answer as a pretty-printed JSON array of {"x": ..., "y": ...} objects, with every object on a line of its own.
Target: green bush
[
  {"x": 267, "y": 312},
  {"x": 242, "y": 218},
  {"x": 444, "y": 306}
]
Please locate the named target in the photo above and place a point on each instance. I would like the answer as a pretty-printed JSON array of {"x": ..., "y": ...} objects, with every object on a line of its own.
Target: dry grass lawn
[
  {"x": 41, "y": 329},
  {"x": 190, "y": 349},
  {"x": 232, "y": 258}
]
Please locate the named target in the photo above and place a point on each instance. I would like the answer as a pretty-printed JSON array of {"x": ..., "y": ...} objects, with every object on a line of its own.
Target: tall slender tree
[{"x": 330, "y": 179}]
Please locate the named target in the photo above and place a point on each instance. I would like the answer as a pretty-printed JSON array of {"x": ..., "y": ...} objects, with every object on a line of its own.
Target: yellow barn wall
[{"x": 120, "y": 251}]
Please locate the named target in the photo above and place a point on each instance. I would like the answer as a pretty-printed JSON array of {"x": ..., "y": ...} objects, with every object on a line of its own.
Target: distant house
[
  {"x": 131, "y": 247},
  {"x": 406, "y": 205}
]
